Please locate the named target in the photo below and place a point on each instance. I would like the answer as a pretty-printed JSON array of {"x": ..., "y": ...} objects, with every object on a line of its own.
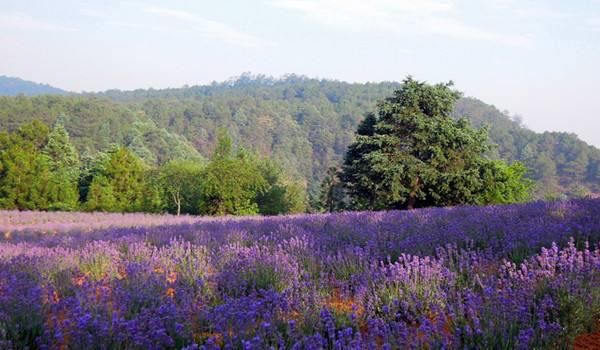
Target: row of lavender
[
  {"x": 470, "y": 277},
  {"x": 55, "y": 222}
]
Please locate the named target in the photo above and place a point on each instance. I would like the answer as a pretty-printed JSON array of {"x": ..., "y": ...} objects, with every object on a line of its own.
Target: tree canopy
[
  {"x": 414, "y": 154},
  {"x": 240, "y": 183},
  {"x": 41, "y": 170},
  {"x": 304, "y": 125}
]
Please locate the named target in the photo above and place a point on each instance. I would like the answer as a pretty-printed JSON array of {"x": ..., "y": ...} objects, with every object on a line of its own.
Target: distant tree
[
  {"x": 333, "y": 196},
  {"x": 100, "y": 196},
  {"x": 416, "y": 155},
  {"x": 63, "y": 161},
  {"x": 121, "y": 183},
  {"x": 280, "y": 195},
  {"x": 24, "y": 170},
  {"x": 224, "y": 146},
  {"x": 151, "y": 197},
  {"x": 181, "y": 181},
  {"x": 92, "y": 165},
  {"x": 295, "y": 198},
  {"x": 231, "y": 181},
  {"x": 504, "y": 184}
]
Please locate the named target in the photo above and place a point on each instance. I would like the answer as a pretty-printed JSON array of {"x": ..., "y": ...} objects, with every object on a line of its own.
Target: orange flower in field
[
  {"x": 121, "y": 273},
  {"x": 339, "y": 305},
  {"x": 218, "y": 337},
  {"x": 171, "y": 293},
  {"x": 172, "y": 277},
  {"x": 79, "y": 281},
  {"x": 55, "y": 297},
  {"x": 159, "y": 269},
  {"x": 344, "y": 305}
]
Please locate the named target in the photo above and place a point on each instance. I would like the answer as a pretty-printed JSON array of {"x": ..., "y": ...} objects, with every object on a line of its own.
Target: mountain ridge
[{"x": 13, "y": 86}]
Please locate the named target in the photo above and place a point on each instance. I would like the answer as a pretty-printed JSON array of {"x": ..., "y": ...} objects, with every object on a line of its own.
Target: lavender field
[{"x": 503, "y": 277}]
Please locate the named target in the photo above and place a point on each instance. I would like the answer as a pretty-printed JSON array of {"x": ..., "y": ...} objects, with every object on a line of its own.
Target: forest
[{"x": 303, "y": 125}]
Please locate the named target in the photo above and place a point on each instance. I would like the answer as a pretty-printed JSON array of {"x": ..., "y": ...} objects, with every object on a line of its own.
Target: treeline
[
  {"x": 560, "y": 163},
  {"x": 304, "y": 125},
  {"x": 40, "y": 169}
]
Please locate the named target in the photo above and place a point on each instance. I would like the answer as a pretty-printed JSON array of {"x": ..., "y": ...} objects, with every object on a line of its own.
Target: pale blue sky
[{"x": 538, "y": 59}]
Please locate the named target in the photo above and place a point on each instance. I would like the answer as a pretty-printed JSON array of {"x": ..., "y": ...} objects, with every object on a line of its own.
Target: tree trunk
[{"x": 177, "y": 200}]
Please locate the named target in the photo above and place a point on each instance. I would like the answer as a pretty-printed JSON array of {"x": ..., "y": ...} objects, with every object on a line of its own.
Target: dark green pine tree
[{"x": 415, "y": 155}]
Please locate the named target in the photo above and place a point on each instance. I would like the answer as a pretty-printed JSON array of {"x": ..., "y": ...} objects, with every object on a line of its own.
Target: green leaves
[
  {"x": 181, "y": 180},
  {"x": 121, "y": 182},
  {"x": 243, "y": 184},
  {"x": 413, "y": 154},
  {"x": 39, "y": 169}
]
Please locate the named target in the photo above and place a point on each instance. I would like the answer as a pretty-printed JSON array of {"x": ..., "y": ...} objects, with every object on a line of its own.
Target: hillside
[
  {"x": 305, "y": 124},
  {"x": 10, "y": 86}
]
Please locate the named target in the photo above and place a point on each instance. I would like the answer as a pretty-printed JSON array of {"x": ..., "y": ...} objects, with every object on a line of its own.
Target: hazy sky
[{"x": 538, "y": 59}]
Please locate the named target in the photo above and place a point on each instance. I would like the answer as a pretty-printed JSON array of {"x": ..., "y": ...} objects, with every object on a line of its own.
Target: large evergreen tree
[{"x": 414, "y": 154}]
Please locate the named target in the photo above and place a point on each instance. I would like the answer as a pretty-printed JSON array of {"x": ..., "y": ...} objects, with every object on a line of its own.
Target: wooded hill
[{"x": 304, "y": 124}]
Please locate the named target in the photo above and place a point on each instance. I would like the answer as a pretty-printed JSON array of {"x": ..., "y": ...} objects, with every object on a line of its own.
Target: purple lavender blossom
[{"x": 517, "y": 276}]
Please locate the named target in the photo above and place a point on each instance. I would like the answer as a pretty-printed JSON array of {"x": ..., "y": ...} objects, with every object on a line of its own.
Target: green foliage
[
  {"x": 157, "y": 146},
  {"x": 240, "y": 183},
  {"x": 63, "y": 161},
  {"x": 413, "y": 154},
  {"x": 505, "y": 183},
  {"x": 38, "y": 169},
  {"x": 356, "y": 169},
  {"x": 100, "y": 196},
  {"x": 231, "y": 182},
  {"x": 333, "y": 197},
  {"x": 305, "y": 125},
  {"x": 121, "y": 182},
  {"x": 281, "y": 195},
  {"x": 181, "y": 181}
]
